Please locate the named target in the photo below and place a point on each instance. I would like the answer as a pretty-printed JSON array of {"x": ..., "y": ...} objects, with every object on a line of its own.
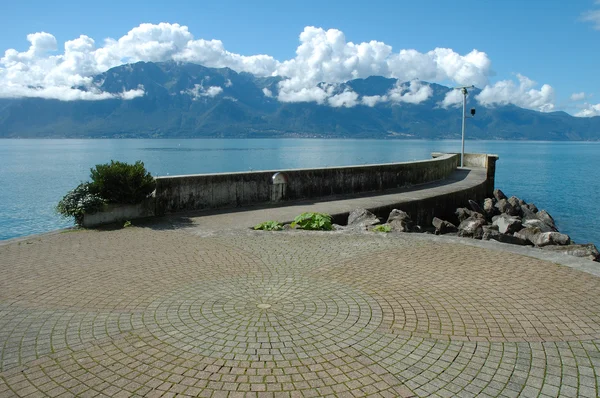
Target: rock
[
  {"x": 516, "y": 203},
  {"x": 535, "y": 223},
  {"x": 507, "y": 224},
  {"x": 463, "y": 213},
  {"x": 546, "y": 218},
  {"x": 475, "y": 207},
  {"x": 532, "y": 207},
  {"x": 336, "y": 227},
  {"x": 488, "y": 207},
  {"x": 505, "y": 207},
  {"x": 499, "y": 195},
  {"x": 362, "y": 217},
  {"x": 529, "y": 234},
  {"x": 472, "y": 227},
  {"x": 511, "y": 239},
  {"x": 526, "y": 212},
  {"x": 492, "y": 234},
  {"x": 589, "y": 250},
  {"x": 287, "y": 227},
  {"x": 418, "y": 229},
  {"x": 400, "y": 221},
  {"x": 551, "y": 238},
  {"x": 489, "y": 231},
  {"x": 443, "y": 227}
]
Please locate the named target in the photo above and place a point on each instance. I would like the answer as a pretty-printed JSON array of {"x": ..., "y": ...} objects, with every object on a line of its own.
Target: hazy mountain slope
[{"x": 188, "y": 100}]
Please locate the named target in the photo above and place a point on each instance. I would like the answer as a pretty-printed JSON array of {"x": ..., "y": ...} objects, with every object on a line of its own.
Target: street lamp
[{"x": 464, "y": 116}]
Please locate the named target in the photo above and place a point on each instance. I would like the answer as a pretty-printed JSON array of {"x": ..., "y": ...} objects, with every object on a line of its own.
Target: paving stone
[{"x": 194, "y": 310}]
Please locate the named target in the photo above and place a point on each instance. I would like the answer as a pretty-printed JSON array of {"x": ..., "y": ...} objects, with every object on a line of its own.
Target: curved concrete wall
[{"x": 213, "y": 191}]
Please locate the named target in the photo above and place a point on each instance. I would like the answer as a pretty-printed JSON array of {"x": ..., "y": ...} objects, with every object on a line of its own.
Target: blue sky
[{"x": 549, "y": 42}]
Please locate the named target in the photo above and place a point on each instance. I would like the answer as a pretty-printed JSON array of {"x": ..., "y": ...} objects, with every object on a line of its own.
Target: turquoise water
[{"x": 561, "y": 177}]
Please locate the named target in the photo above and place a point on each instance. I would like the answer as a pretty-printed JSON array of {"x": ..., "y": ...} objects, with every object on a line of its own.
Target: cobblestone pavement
[{"x": 169, "y": 311}]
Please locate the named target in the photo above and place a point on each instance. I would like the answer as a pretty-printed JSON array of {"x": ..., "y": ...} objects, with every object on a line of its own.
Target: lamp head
[{"x": 472, "y": 111}]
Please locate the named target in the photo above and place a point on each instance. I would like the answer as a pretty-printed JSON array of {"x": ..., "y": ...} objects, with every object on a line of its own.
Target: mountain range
[{"x": 189, "y": 100}]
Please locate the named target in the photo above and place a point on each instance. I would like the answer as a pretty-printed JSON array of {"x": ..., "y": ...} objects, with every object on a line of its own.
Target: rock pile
[
  {"x": 512, "y": 220},
  {"x": 507, "y": 220}
]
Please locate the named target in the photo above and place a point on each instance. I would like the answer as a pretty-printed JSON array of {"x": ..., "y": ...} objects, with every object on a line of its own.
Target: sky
[{"x": 536, "y": 54}]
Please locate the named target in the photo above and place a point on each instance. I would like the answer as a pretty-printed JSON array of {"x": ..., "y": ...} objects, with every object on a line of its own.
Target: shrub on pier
[{"x": 119, "y": 182}]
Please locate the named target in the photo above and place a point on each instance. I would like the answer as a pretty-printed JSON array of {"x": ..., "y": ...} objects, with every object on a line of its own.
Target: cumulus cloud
[
  {"x": 347, "y": 99},
  {"x": 267, "y": 92},
  {"x": 453, "y": 98},
  {"x": 324, "y": 58},
  {"x": 524, "y": 94},
  {"x": 589, "y": 110},
  {"x": 199, "y": 91},
  {"x": 415, "y": 93},
  {"x": 372, "y": 100},
  {"x": 577, "y": 96}
]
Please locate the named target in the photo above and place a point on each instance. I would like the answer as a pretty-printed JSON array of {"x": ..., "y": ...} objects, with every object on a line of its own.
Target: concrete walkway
[{"x": 204, "y": 306}]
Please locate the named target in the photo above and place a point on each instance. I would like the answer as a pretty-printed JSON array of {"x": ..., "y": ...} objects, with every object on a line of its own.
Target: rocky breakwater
[
  {"x": 503, "y": 219},
  {"x": 512, "y": 220}
]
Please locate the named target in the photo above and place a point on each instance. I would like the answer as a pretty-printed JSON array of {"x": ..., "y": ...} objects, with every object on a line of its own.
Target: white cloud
[
  {"x": 415, "y": 93},
  {"x": 347, "y": 99},
  {"x": 452, "y": 98},
  {"x": 577, "y": 96},
  {"x": 326, "y": 56},
  {"x": 323, "y": 56},
  {"x": 228, "y": 83},
  {"x": 199, "y": 91},
  {"x": 372, "y": 100},
  {"x": 267, "y": 92},
  {"x": 592, "y": 16},
  {"x": 524, "y": 95},
  {"x": 312, "y": 94},
  {"x": 589, "y": 110}
]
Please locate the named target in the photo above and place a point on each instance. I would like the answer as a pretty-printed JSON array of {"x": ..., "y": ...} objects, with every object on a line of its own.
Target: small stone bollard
[{"x": 279, "y": 183}]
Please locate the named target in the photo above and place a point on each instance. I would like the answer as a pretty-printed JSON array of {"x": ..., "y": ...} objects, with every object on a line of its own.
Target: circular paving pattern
[
  {"x": 167, "y": 313},
  {"x": 264, "y": 318}
]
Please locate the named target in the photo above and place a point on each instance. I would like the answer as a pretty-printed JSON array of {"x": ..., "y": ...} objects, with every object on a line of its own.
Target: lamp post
[{"x": 464, "y": 117}]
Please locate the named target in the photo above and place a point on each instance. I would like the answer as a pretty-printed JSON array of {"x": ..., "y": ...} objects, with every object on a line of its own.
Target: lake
[{"x": 561, "y": 177}]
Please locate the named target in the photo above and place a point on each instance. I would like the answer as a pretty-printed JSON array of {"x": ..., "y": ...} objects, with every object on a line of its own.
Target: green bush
[
  {"x": 119, "y": 182},
  {"x": 80, "y": 201},
  {"x": 382, "y": 228},
  {"x": 269, "y": 226},
  {"x": 313, "y": 221}
]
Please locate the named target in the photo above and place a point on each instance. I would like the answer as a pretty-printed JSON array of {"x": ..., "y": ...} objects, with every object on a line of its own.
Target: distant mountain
[{"x": 189, "y": 100}]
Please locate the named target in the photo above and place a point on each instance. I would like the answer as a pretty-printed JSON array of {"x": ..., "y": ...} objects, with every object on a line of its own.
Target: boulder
[
  {"x": 551, "y": 238},
  {"x": 507, "y": 224},
  {"x": 488, "y": 207},
  {"x": 489, "y": 231},
  {"x": 472, "y": 227},
  {"x": 516, "y": 203},
  {"x": 362, "y": 218},
  {"x": 589, "y": 250},
  {"x": 532, "y": 207},
  {"x": 535, "y": 223},
  {"x": 546, "y": 218},
  {"x": 463, "y": 213},
  {"x": 505, "y": 207},
  {"x": 443, "y": 227},
  {"x": 491, "y": 234},
  {"x": 526, "y": 213},
  {"x": 529, "y": 234},
  {"x": 499, "y": 195},
  {"x": 400, "y": 221},
  {"x": 475, "y": 207}
]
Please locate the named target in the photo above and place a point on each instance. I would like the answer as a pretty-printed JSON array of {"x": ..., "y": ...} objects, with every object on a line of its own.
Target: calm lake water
[{"x": 561, "y": 177}]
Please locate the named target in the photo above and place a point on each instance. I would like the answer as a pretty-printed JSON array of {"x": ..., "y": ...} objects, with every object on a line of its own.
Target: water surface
[{"x": 561, "y": 177}]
